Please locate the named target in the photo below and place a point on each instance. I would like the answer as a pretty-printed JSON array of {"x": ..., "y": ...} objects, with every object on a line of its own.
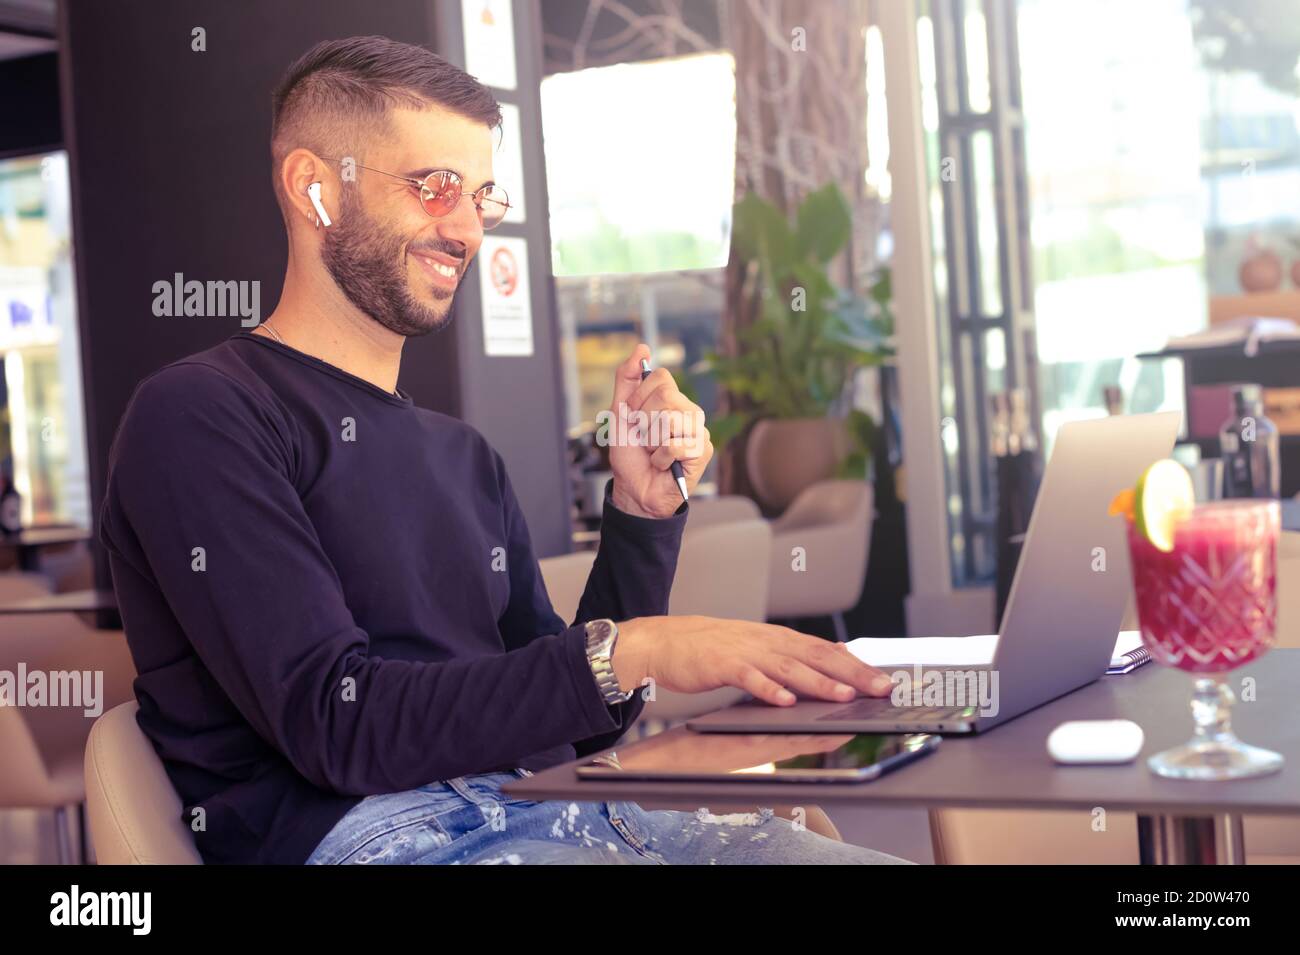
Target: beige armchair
[
  {"x": 41, "y": 747},
  {"x": 565, "y": 578},
  {"x": 819, "y": 547},
  {"x": 725, "y": 509},
  {"x": 819, "y": 552},
  {"x": 135, "y": 814},
  {"x": 721, "y": 572}
]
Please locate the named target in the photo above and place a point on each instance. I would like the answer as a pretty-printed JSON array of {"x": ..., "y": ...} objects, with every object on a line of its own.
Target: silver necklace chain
[{"x": 270, "y": 330}]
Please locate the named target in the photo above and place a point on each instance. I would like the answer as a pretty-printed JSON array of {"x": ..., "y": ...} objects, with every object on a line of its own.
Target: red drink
[{"x": 1210, "y": 604}]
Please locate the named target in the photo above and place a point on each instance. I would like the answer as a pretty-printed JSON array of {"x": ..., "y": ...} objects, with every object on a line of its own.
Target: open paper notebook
[
  {"x": 968, "y": 651},
  {"x": 1247, "y": 331}
]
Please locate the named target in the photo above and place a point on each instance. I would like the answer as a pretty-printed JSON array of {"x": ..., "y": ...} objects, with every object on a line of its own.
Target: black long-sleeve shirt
[{"x": 329, "y": 592}]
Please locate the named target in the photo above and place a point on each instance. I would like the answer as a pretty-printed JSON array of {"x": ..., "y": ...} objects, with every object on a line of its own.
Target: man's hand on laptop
[{"x": 689, "y": 654}]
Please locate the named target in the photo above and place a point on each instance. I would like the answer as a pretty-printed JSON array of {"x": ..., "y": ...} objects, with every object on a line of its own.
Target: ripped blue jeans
[{"x": 469, "y": 820}]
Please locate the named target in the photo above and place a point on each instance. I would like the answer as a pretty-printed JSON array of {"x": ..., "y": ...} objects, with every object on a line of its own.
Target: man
[{"x": 343, "y": 641}]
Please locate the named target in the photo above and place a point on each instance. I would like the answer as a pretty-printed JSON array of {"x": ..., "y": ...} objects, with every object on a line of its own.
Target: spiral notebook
[{"x": 1129, "y": 653}]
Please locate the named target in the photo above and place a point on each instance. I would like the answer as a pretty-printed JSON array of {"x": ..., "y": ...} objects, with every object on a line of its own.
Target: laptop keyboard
[{"x": 882, "y": 708}]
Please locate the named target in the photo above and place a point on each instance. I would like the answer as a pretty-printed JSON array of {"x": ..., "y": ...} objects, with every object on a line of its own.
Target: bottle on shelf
[
  {"x": 1113, "y": 397},
  {"x": 999, "y": 424},
  {"x": 11, "y": 506},
  {"x": 1249, "y": 447},
  {"x": 1016, "y": 476},
  {"x": 1022, "y": 434}
]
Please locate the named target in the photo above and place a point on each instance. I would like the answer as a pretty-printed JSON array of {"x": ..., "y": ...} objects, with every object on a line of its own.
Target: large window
[
  {"x": 640, "y": 161},
  {"x": 1249, "y": 91},
  {"x": 42, "y": 441},
  {"x": 1164, "y": 164},
  {"x": 1158, "y": 189},
  {"x": 974, "y": 134},
  {"x": 1112, "y": 121}
]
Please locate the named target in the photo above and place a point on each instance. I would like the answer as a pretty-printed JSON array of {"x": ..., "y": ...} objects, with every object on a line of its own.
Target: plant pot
[{"x": 784, "y": 456}]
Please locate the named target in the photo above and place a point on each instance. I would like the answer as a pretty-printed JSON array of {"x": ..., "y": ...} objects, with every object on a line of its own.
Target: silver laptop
[{"x": 1062, "y": 615}]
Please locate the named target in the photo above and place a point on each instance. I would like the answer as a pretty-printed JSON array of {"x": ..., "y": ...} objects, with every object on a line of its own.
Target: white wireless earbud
[{"x": 313, "y": 193}]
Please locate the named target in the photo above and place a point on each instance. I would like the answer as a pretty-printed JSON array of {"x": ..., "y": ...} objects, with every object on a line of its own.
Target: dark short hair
[{"x": 338, "y": 93}]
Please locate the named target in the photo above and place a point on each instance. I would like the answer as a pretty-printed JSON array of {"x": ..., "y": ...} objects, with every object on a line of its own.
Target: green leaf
[
  {"x": 853, "y": 467},
  {"x": 818, "y": 288},
  {"x": 794, "y": 363},
  {"x": 882, "y": 289},
  {"x": 862, "y": 430},
  {"x": 863, "y": 433},
  {"x": 824, "y": 223},
  {"x": 761, "y": 234}
]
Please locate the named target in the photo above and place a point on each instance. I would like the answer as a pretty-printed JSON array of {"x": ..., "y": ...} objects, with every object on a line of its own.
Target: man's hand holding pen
[{"x": 653, "y": 427}]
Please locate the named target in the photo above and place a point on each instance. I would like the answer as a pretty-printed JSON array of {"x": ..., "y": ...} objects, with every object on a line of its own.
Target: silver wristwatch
[{"x": 602, "y": 635}]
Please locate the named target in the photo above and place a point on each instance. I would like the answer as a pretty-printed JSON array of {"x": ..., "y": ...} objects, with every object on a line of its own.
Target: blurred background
[
  {"x": 888, "y": 245},
  {"x": 1089, "y": 180}
]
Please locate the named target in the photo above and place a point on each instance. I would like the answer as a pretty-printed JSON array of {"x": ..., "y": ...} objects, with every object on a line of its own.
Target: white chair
[
  {"x": 819, "y": 552},
  {"x": 135, "y": 814}
]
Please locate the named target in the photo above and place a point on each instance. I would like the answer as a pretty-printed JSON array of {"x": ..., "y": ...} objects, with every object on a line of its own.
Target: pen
[{"x": 678, "y": 474}]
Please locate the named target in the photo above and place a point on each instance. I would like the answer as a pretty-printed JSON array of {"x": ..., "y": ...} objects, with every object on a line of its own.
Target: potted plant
[{"x": 794, "y": 363}]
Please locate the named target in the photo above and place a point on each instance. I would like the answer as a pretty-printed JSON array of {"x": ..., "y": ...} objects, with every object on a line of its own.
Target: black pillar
[
  {"x": 170, "y": 162},
  {"x": 517, "y": 401}
]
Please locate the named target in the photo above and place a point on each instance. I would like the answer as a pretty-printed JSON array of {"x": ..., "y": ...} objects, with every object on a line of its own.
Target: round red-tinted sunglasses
[{"x": 440, "y": 191}]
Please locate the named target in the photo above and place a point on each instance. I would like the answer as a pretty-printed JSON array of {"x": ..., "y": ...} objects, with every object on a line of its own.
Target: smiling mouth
[{"x": 446, "y": 271}]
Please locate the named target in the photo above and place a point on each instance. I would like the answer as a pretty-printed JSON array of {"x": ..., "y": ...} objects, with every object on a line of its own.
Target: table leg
[
  {"x": 1191, "y": 840},
  {"x": 936, "y": 837}
]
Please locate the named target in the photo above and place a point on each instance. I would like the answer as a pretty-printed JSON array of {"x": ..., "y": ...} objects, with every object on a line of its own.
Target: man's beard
[{"x": 365, "y": 261}]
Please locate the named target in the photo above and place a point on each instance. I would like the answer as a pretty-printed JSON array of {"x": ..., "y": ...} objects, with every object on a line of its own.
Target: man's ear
[
  {"x": 307, "y": 187},
  {"x": 313, "y": 193}
]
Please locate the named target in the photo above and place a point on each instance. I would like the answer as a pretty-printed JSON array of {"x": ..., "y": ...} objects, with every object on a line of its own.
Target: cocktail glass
[{"x": 1207, "y": 607}]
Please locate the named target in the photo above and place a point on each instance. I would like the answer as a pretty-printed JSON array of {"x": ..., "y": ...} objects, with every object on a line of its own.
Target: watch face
[{"x": 601, "y": 629}]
